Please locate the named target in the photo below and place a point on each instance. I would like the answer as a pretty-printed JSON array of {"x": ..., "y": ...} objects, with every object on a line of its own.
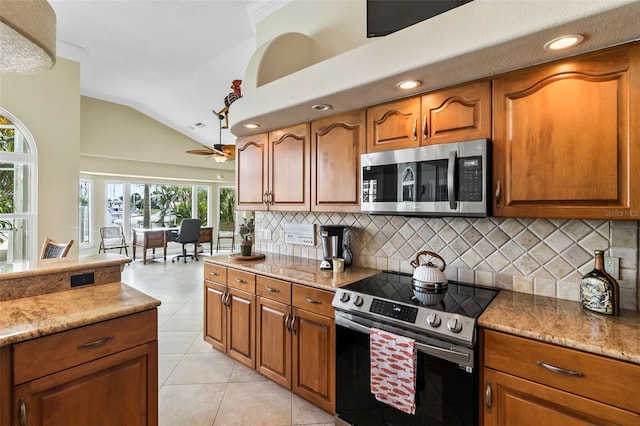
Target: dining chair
[
  {"x": 53, "y": 249},
  {"x": 189, "y": 233},
  {"x": 226, "y": 232},
  {"x": 111, "y": 238}
]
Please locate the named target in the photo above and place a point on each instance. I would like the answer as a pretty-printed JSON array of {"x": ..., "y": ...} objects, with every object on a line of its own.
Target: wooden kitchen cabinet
[
  {"x": 449, "y": 115},
  {"x": 273, "y": 170},
  {"x": 229, "y": 312},
  {"x": 394, "y": 125},
  {"x": 313, "y": 333},
  {"x": 273, "y": 329},
  {"x": 564, "y": 141},
  {"x": 104, "y": 373},
  {"x": 518, "y": 390},
  {"x": 457, "y": 114},
  {"x": 252, "y": 172},
  {"x": 296, "y": 344},
  {"x": 336, "y": 145}
]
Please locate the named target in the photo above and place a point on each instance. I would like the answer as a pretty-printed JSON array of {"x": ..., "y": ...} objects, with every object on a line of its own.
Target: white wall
[{"x": 48, "y": 104}]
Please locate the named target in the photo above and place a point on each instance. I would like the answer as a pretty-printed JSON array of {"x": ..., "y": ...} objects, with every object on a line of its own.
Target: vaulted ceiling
[{"x": 173, "y": 60}]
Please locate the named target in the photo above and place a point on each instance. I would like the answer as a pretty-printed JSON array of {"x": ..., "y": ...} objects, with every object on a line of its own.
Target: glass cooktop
[{"x": 461, "y": 298}]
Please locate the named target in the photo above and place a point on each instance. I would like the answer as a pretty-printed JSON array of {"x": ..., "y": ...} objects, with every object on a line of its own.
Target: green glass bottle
[{"x": 599, "y": 291}]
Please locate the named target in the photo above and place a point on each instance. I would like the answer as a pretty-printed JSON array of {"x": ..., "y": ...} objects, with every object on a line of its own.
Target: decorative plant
[{"x": 246, "y": 230}]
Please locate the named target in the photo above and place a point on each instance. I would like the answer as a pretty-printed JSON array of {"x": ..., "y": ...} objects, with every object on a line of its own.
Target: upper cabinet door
[
  {"x": 289, "y": 157},
  {"x": 563, "y": 138},
  {"x": 252, "y": 172},
  {"x": 336, "y": 145},
  {"x": 395, "y": 125},
  {"x": 457, "y": 114}
]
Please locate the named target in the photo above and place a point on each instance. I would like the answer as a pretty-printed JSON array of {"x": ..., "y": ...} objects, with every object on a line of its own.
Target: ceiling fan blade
[
  {"x": 201, "y": 152},
  {"x": 218, "y": 150}
]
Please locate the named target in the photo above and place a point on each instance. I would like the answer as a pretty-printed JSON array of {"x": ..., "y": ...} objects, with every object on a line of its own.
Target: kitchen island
[{"x": 71, "y": 331}]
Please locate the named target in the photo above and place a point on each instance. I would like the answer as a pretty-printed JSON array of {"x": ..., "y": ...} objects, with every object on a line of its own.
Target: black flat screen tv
[{"x": 388, "y": 16}]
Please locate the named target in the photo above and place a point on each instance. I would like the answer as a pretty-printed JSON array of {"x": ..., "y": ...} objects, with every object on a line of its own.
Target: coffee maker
[{"x": 335, "y": 244}]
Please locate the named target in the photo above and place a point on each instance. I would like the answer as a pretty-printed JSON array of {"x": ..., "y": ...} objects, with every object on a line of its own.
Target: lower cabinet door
[
  {"x": 241, "y": 326},
  {"x": 215, "y": 315},
  {"x": 314, "y": 358},
  {"x": 510, "y": 400},
  {"x": 120, "y": 389},
  {"x": 273, "y": 341}
]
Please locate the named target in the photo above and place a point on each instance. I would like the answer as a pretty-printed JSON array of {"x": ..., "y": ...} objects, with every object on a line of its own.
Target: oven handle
[{"x": 422, "y": 347}]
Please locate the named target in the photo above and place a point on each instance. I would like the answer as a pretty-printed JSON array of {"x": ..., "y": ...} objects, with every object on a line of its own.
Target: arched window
[{"x": 18, "y": 190}]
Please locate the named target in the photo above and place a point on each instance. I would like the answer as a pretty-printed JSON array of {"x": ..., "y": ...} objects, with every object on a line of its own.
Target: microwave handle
[{"x": 451, "y": 173}]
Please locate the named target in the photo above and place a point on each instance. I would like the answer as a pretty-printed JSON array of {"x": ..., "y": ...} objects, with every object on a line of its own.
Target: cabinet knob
[{"x": 498, "y": 193}]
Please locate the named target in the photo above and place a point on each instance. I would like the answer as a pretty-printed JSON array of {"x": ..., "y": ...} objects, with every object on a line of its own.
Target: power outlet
[
  {"x": 612, "y": 266},
  {"x": 265, "y": 234}
]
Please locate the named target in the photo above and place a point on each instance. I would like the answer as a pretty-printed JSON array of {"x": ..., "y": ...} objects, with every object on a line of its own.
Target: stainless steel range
[{"x": 445, "y": 337}]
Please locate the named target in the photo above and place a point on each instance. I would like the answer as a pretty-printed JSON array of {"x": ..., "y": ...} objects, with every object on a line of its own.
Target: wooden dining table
[{"x": 158, "y": 238}]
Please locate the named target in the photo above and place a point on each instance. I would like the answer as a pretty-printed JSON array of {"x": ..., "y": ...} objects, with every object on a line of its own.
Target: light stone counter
[
  {"x": 297, "y": 270},
  {"x": 26, "y": 269},
  {"x": 565, "y": 323},
  {"x": 36, "y": 298},
  {"x": 29, "y": 317}
]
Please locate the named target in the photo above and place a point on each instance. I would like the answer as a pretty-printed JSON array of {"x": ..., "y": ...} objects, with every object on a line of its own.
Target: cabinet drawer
[
  {"x": 49, "y": 354},
  {"x": 155, "y": 239},
  {"x": 313, "y": 300},
  {"x": 241, "y": 280},
  {"x": 273, "y": 289},
  {"x": 215, "y": 273},
  {"x": 604, "y": 379}
]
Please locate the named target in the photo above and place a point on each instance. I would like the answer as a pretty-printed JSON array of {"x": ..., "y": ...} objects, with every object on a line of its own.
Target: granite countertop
[
  {"x": 26, "y": 269},
  {"x": 36, "y": 316},
  {"x": 297, "y": 270},
  {"x": 565, "y": 323}
]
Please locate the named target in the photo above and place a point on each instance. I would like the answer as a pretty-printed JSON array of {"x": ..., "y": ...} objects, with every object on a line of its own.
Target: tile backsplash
[{"x": 540, "y": 256}]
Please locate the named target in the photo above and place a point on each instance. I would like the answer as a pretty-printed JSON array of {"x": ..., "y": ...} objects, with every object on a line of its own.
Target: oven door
[{"x": 446, "y": 382}]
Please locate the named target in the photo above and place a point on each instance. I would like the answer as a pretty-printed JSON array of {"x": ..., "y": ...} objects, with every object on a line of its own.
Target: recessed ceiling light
[
  {"x": 564, "y": 42},
  {"x": 408, "y": 84},
  {"x": 251, "y": 126},
  {"x": 321, "y": 107}
]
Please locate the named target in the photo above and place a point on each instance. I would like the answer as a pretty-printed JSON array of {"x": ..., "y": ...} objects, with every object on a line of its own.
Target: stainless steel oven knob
[
  {"x": 359, "y": 301},
  {"x": 454, "y": 325},
  {"x": 344, "y": 297},
  {"x": 433, "y": 320}
]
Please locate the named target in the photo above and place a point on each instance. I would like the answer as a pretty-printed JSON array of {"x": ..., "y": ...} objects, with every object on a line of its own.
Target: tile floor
[{"x": 199, "y": 385}]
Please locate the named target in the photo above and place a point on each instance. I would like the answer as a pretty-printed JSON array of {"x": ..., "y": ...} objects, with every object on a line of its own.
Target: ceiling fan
[{"x": 218, "y": 152}]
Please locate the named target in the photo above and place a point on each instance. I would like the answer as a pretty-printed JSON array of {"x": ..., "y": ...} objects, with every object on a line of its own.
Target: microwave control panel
[{"x": 470, "y": 178}]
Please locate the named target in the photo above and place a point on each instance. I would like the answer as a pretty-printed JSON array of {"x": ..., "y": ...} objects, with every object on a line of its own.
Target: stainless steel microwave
[{"x": 436, "y": 180}]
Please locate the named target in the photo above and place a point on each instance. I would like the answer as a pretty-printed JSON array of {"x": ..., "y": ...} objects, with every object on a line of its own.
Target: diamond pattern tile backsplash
[{"x": 539, "y": 256}]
